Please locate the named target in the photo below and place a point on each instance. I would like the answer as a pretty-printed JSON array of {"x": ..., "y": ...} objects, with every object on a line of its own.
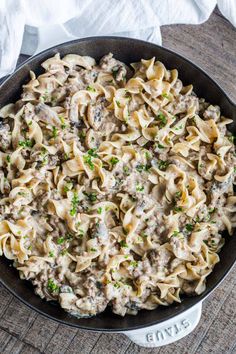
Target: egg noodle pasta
[{"x": 116, "y": 184}]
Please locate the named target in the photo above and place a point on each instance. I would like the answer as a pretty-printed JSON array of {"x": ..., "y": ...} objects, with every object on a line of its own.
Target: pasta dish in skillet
[{"x": 116, "y": 185}]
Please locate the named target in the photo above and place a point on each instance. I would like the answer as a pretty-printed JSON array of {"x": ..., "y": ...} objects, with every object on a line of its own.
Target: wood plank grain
[
  {"x": 27, "y": 349},
  {"x": 222, "y": 336},
  {"x": 111, "y": 344},
  {"x": 212, "y": 46},
  {"x": 5, "y": 299},
  {"x": 61, "y": 340},
  {"x": 40, "y": 332},
  {"x": 17, "y": 318},
  {"x": 83, "y": 342}
]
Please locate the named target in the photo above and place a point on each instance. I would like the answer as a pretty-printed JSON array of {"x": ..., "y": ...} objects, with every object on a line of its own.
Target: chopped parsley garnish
[
  {"x": 92, "y": 197},
  {"x": 26, "y": 143},
  {"x": 114, "y": 160},
  {"x": 51, "y": 254},
  {"x": 90, "y": 88},
  {"x": 178, "y": 195},
  {"x": 82, "y": 134},
  {"x": 92, "y": 152},
  {"x": 232, "y": 138},
  {"x": 64, "y": 252},
  {"x": 52, "y": 287},
  {"x": 160, "y": 146},
  {"x": 117, "y": 285},
  {"x": 54, "y": 132},
  {"x": 162, "y": 165},
  {"x": 165, "y": 95},
  {"x": 211, "y": 210},
  {"x": 81, "y": 233},
  {"x": 60, "y": 240},
  {"x": 141, "y": 168},
  {"x": 134, "y": 264},
  {"x": 88, "y": 161},
  {"x": 68, "y": 186},
  {"x": 8, "y": 159},
  {"x": 189, "y": 227},
  {"x": 99, "y": 210},
  {"x": 118, "y": 104},
  {"x": 143, "y": 234},
  {"x": 175, "y": 233},
  {"x": 74, "y": 203},
  {"x": 148, "y": 155},
  {"x": 62, "y": 119},
  {"x": 93, "y": 249},
  {"x": 139, "y": 188},
  {"x": 123, "y": 244},
  {"x": 178, "y": 209},
  {"x": 126, "y": 170},
  {"x": 161, "y": 117},
  {"x": 179, "y": 127}
]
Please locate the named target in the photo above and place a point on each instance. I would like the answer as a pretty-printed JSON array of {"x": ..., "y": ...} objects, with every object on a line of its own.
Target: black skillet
[{"x": 126, "y": 50}]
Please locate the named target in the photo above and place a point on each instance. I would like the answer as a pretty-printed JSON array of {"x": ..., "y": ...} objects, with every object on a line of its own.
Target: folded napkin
[{"x": 29, "y": 26}]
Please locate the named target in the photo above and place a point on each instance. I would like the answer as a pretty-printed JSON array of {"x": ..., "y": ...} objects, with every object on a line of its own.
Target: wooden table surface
[{"x": 212, "y": 46}]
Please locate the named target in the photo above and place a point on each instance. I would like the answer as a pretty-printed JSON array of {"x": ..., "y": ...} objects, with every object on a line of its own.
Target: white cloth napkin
[{"x": 29, "y": 26}]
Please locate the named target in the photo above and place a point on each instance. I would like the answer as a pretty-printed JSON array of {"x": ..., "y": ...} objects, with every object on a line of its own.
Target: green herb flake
[
  {"x": 54, "y": 132},
  {"x": 92, "y": 197},
  {"x": 92, "y": 152},
  {"x": 93, "y": 249},
  {"x": 114, "y": 160},
  {"x": 88, "y": 160},
  {"x": 52, "y": 287},
  {"x": 139, "y": 188},
  {"x": 161, "y": 118},
  {"x": 8, "y": 159},
  {"x": 90, "y": 88},
  {"x": 232, "y": 138},
  {"x": 118, "y": 104},
  {"x": 189, "y": 227},
  {"x": 175, "y": 233},
  {"x": 211, "y": 210},
  {"x": 26, "y": 143},
  {"x": 165, "y": 95},
  {"x": 60, "y": 240},
  {"x": 123, "y": 244},
  {"x": 99, "y": 210},
  {"x": 178, "y": 209},
  {"x": 134, "y": 264},
  {"x": 162, "y": 165},
  {"x": 64, "y": 252},
  {"x": 68, "y": 187},
  {"x": 51, "y": 254},
  {"x": 178, "y": 195},
  {"x": 74, "y": 203},
  {"x": 126, "y": 170},
  {"x": 116, "y": 285}
]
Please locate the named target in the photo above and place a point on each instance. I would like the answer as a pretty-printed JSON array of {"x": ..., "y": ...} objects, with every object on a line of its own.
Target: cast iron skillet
[{"x": 128, "y": 51}]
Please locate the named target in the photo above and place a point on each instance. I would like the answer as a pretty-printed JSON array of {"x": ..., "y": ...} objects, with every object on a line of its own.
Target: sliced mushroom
[
  {"x": 93, "y": 139},
  {"x": 47, "y": 114},
  {"x": 95, "y": 115}
]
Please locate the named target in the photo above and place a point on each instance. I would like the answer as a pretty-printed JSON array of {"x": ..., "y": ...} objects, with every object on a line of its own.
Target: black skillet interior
[{"x": 128, "y": 51}]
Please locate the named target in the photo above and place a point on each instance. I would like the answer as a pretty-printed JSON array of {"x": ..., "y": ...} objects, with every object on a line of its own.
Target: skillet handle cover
[{"x": 169, "y": 331}]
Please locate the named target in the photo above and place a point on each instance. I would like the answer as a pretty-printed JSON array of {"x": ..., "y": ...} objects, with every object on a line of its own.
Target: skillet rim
[{"x": 198, "y": 298}]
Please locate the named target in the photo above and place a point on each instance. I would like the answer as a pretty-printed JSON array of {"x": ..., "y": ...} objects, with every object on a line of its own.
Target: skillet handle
[{"x": 167, "y": 332}]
